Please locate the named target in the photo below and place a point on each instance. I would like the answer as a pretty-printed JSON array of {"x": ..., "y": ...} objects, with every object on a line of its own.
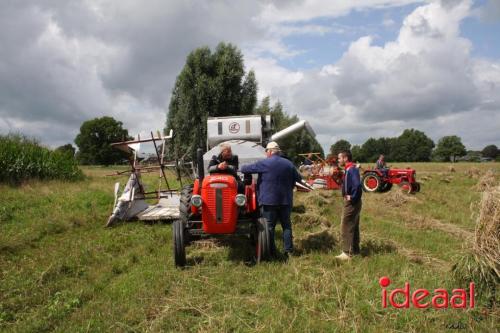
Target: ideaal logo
[{"x": 423, "y": 298}]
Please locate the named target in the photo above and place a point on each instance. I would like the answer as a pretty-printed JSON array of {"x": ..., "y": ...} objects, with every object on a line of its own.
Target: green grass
[
  {"x": 60, "y": 270},
  {"x": 22, "y": 159}
]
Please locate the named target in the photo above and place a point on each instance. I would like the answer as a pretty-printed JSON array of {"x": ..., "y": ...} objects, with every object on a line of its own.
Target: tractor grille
[{"x": 219, "y": 212}]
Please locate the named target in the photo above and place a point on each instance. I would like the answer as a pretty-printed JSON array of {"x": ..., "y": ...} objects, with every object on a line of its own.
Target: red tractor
[
  {"x": 212, "y": 205},
  {"x": 377, "y": 180}
]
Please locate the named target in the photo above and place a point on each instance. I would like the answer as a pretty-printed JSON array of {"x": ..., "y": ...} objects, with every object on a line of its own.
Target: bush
[{"x": 22, "y": 158}]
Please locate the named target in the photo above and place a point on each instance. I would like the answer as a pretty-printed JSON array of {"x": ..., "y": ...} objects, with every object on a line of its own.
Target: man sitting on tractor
[
  {"x": 226, "y": 162},
  {"x": 382, "y": 166}
]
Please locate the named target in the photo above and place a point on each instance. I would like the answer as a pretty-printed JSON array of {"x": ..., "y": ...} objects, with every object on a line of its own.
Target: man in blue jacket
[
  {"x": 351, "y": 192},
  {"x": 277, "y": 177}
]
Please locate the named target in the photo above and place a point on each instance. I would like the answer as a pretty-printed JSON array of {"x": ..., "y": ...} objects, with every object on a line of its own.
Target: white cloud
[
  {"x": 426, "y": 79},
  {"x": 304, "y": 10}
]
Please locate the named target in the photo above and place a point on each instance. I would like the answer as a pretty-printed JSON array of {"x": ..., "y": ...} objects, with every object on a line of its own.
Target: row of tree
[{"x": 411, "y": 146}]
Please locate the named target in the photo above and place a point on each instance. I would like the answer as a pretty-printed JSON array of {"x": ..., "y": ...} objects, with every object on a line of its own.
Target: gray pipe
[{"x": 293, "y": 128}]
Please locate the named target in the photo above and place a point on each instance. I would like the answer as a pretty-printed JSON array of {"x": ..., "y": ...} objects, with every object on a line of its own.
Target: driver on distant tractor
[
  {"x": 382, "y": 166},
  {"x": 226, "y": 162}
]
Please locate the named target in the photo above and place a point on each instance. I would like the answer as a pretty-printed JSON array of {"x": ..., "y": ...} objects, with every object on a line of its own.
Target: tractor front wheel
[
  {"x": 415, "y": 187},
  {"x": 263, "y": 244},
  {"x": 179, "y": 243},
  {"x": 371, "y": 182}
]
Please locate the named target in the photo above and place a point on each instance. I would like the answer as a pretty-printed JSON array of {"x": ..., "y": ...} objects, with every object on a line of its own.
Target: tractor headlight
[
  {"x": 196, "y": 200},
  {"x": 240, "y": 200}
]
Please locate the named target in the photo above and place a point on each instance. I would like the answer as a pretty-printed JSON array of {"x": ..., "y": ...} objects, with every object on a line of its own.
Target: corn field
[{"x": 22, "y": 158}]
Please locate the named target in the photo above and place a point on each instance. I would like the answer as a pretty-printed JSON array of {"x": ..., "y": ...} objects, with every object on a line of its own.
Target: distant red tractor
[
  {"x": 213, "y": 205},
  {"x": 376, "y": 180}
]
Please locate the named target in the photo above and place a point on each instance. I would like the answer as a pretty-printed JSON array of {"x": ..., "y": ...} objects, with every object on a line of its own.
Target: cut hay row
[
  {"x": 427, "y": 223},
  {"x": 396, "y": 198},
  {"x": 473, "y": 172},
  {"x": 486, "y": 181},
  {"x": 321, "y": 241},
  {"x": 421, "y": 258},
  {"x": 482, "y": 262},
  {"x": 487, "y": 236},
  {"x": 310, "y": 220}
]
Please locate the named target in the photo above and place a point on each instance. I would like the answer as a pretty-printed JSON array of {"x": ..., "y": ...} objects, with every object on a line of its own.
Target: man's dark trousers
[
  {"x": 282, "y": 213},
  {"x": 350, "y": 227}
]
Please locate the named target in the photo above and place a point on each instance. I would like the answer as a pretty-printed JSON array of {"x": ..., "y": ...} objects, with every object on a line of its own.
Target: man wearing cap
[{"x": 277, "y": 177}]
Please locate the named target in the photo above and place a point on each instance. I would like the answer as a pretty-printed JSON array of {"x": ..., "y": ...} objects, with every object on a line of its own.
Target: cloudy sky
[{"x": 354, "y": 69}]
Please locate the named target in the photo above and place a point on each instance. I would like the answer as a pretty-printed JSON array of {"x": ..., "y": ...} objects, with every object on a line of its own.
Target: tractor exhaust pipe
[
  {"x": 293, "y": 128},
  {"x": 200, "y": 166}
]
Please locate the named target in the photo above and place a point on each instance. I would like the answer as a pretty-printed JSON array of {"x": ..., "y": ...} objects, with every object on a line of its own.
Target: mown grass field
[{"x": 61, "y": 270}]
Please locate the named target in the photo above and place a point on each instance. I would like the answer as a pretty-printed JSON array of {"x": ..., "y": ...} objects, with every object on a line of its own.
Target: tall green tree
[
  {"x": 209, "y": 85},
  {"x": 449, "y": 148},
  {"x": 412, "y": 146},
  {"x": 339, "y": 146},
  {"x": 357, "y": 153},
  {"x": 95, "y": 138},
  {"x": 490, "y": 151},
  {"x": 370, "y": 150}
]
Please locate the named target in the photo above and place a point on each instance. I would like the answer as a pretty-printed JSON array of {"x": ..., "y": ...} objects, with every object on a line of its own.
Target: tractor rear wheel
[
  {"x": 406, "y": 187},
  {"x": 179, "y": 233},
  {"x": 371, "y": 182},
  {"x": 263, "y": 244}
]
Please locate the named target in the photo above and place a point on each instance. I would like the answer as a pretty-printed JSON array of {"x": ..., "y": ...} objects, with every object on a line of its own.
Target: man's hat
[{"x": 272, "y": 145}]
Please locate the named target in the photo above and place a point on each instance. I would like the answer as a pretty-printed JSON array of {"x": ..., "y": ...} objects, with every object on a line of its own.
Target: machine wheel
[
  {"x": 178, "y": 232},
  {"x": 263, "y": 244},
  {"x": 386, "y": 187},
  {"x": 185, "y": 212},
  {"x": 371, "y": 182},
  {"x": 406, "y": 187},
  {"x": 415, "y": 187},
  {"x": 185, "y": 203}
]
